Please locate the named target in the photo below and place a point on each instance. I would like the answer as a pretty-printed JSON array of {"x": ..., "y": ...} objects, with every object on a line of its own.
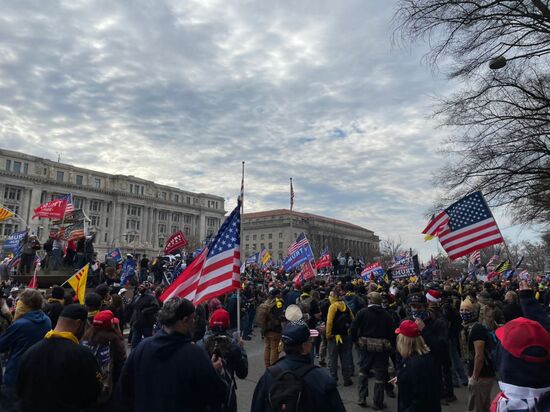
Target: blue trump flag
[
  {"x": 13, "y": 242},
  {"x": 115, "y": 255},
  {"x": 296, "y": 259}
]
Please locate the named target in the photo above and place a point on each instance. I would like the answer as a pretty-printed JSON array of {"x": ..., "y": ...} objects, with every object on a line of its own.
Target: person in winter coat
[
  {"x": 269, "y": 315},
  {"x": 339, "y": 344},
  {"x": 512, "y": 309},
  {"x": 217, "y": 341},
  {"x": 418, "y": 376},
  {"x": 169, "y": 373},
  {"x": 145, "y": 306},
  {"x": 55, "y": 304},
  {"x": 105, "y": 341},
  {"x": 321, "y": 393},
  {"x": 373, "y": 331},
  {"x": 29, "y": 326}
]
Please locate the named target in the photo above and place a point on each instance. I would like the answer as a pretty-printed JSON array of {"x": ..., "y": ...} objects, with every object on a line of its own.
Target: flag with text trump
[
  {"x": 216, "y": 270},
  {"x": 465, "y": 226}
]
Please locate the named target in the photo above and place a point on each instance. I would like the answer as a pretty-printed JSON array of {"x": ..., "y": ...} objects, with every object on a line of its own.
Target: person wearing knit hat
[
  {"x": 217, "y": 342},
  {"x": 476, "y": 347},
  {"x": 418, "y": 376}
]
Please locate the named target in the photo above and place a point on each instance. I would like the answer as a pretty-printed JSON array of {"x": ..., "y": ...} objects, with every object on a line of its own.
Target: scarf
[
  {"x": 21, "y": 310},
  {"x": 517, "y": 398},
  {"x": 62, "y": 335}
]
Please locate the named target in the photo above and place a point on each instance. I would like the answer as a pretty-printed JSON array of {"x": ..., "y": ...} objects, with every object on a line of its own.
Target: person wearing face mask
[
  {"x": 169, "y": 373},
  {"x": 433, "y": 330},
  {"x": 476, "y": 344},
  {"x": 58, "y": 369},
  {"x": 29, "y": 326}
]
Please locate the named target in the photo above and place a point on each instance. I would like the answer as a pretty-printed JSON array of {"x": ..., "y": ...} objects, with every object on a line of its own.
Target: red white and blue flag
[
  {"x": 70, "y": 206},
  {"x": 216, "y": 270},
  {"x": 465, "y": 226},
  {"x": 375, "y": 270},
  {"x": 324, "y": 260}
]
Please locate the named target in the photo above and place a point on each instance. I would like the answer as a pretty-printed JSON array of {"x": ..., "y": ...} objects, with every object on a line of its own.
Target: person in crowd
[
  {"x": 372, "y": 330},
  {"x": 145, "y": 306},
  {"x": 105, "y": 341},
  {"x": 103, "y": 291},
  {"x": 167, "y": 372},
  {"x": 29, "y": 326},
  {"x": 476, "y": 343},
  {"x": 324, "y": 305},
  {"x": 55, "y": 304},
  {"x": 57, "y": 252},
  {"x": 293, "y": 295},
  {"x": 6, "y": 317},
  {"x": 490, "y": 315},
  {"x": 57, "y": 374},
  {"x": 418, "y": 376},
  {"x": 158, "y": 270},
  {"x": 117, "y": 307},
  {"x": 29, "y": 245},
  {"x": 218, "y": 342},
  {"x": 277, "y": 389},
  {"x": 512, "y": 309},
  {"x": 269, "y": 316},
  {"x": 143, "y": 269},
  {"x": 93, "y": 303},
  {"x": 339, "y": 344}
]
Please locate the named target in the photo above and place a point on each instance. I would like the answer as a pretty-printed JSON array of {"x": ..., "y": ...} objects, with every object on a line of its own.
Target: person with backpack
[
  {"x": 339, "y": 344},
  {"x": 373, "y": 331},
  {"x": 269, "y": 316},
  {"x": 294, "y": 384},
  {"x": 477, "y": 346},
  {"x": 218, "y": 343},
  {"x": 105, "y": 341}
]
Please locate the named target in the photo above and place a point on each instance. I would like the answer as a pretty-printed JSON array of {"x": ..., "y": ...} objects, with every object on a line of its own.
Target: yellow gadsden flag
[
  {"x": 5, "y": 214},
  {"x": 78, "y": 283}
]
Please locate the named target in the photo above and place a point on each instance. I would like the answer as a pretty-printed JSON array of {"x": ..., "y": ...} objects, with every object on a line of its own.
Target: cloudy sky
[{"x": 180, "y": 92}]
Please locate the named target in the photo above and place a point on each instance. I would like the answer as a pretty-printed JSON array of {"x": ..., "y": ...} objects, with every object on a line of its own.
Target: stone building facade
[
  {"x": 125, "y": 211},
  {"x": 272, "y": 230}
]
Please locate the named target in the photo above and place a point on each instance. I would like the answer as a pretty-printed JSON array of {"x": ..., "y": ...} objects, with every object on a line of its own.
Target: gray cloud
[{"x": 181, "y": 91}]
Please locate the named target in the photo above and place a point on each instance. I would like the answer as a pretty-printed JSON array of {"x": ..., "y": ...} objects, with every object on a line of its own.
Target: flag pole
[
  {"x": 241, "y": 195},
  {"x": 291, "y": 206}
]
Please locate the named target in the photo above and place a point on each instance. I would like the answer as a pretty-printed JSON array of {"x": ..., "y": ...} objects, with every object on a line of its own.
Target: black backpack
[
  {"x": 342, "y": 322},
  {"x": 288, "y": 391}
]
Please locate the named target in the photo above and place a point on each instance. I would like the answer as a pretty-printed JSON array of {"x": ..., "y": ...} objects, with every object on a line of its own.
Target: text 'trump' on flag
[{"x": 216, "y": 270}]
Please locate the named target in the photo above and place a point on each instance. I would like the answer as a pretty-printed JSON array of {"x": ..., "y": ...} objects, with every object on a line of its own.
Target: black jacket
[
  {"x": 318, "y": 381},
  {"x": 436, "y": 336},
  {"x": 145, "y": 307},
  {"x": 169, "y": 373},
  {"x": 57, "y": 375},
  {"x": 373, "y": 322},
  {"x": 53, "y": 309},
  {"x": 419, "y": 385},
  {"x": 512, "y": 311}
]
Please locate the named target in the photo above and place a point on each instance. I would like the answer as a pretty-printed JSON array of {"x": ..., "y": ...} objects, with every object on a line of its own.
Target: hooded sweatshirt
[
  {"x": 167, "y": 372},
  {"x": 20, "y": 336},
  {"x": 337, "y": 305}
]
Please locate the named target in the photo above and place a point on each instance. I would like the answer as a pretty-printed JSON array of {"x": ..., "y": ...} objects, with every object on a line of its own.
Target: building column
[{"x": 202, "y": 226}]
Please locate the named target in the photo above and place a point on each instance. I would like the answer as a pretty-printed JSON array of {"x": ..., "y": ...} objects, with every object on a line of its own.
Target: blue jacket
[
  {"x": 20, "y": 336},
  {"x": 318, "y": 381}
]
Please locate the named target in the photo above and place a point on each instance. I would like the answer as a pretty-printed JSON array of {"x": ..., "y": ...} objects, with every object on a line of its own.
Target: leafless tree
[{"x": 499, "y": 120}]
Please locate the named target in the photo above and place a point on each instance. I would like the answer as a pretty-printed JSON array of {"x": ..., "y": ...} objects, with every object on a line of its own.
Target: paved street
[{"x": 254, "y": 349}]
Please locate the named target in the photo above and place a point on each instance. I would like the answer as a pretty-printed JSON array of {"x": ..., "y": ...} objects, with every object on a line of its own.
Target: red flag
[
  {"x": 216, "y": 270},
  {"x": 307, "y": 271},
  {"x": 323, "y": 262},
  {"x": 33, "y": 284},
  {"x": 175, "y": 242},
  {"x": 54, "y": 209}
]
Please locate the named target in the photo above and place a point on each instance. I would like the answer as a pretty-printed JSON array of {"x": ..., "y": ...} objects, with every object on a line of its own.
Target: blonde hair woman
[{"x": 418, "y": 376}]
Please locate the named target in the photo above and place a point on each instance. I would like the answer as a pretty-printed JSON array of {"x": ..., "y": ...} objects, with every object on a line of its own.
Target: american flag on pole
[
  {"x": 70, "y": 206},
  {"x": 291, "y": 195},
  {"x": 216, "y": 270},
  {"x": 465, "y": 226},
  {"x": 300, "y": 242}
]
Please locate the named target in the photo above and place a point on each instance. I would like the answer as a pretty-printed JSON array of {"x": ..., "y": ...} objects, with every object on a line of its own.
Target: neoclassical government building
[{"x": 135, "y": 214}]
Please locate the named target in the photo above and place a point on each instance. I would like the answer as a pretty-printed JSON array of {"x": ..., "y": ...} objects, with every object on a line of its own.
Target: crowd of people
[{"x": 126, "y": 350}]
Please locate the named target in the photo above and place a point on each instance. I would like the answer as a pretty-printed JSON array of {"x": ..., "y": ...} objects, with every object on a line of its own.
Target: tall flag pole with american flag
[
  {"x": 241, "y": 204},
  {"x": 465, "y": 227}
]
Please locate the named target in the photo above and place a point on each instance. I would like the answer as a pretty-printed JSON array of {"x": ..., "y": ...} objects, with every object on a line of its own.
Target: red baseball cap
[
  {"x": 408, "y": 328},
  {"x": 521, "y": 334},
  {"x": 219, "y": 318},
  {"x": 105, "y": 320}
]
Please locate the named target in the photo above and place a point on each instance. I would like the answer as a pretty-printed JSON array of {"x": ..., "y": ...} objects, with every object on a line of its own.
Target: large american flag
[
  {"x": 216, "y": 270},
  {"x": 300, "y": 242},
  {"x": 465, "y": 226}
]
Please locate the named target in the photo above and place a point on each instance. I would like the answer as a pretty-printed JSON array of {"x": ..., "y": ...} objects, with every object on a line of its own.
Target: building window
[
  {"x": 109, "y": 207},
  {"x": 247, "y": 246},
  {"x": 97, "y": 181},
  {"x": 106, "y": 237},
  {"x": 175, "y": 229},
  {"x": 12, "y": 193},
  {"x": 262, "y": 245},
  {"x": 45, "y": 171},
  {"x": 176, "y": 217},
  {"x": 134, "y": 210},
  {"x": 253, "y": 246},
  {"x": 13, "y": 208},
  {"x": 7, "y": 229},
  {"x": 212, "y": 222},
  {"x": 162, "y": 228},
  {"x": 95, "y": 206},
  {"x": 186, "y": 230},
  {"x": 94, "y": 220},
  {"x": 270, "y": 236},
  {"x": 177, "y": 198},
  {"x": 254, "y": 237},
  {"x": 188, "y": 200},
  {"x": 270, "y": 246},
  {"x": 187, "y": 218},
  {"x": 280, "y": 235},
  {"x": 163, "y": 215},
  {"x": 17, "y": 167},
  {"x": 280, "y": 255},
  {"x": 132, "y": 224},
  {"x": 106, "y": 222},
  {"x": 262, "y": 236},
  {"x": 79, "y": 180},
  {"x": 280, "y": 245},
  {"x": 247, "y": 237},
  {"x": 8, "y": 164},
  {"x": 163, "y": 195},
  {"x": 60, "y": 176},
  {"x": 161, "y": 242},
  {"x": 77, "y": 202},
  {"x": 26, "y": 168}
]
